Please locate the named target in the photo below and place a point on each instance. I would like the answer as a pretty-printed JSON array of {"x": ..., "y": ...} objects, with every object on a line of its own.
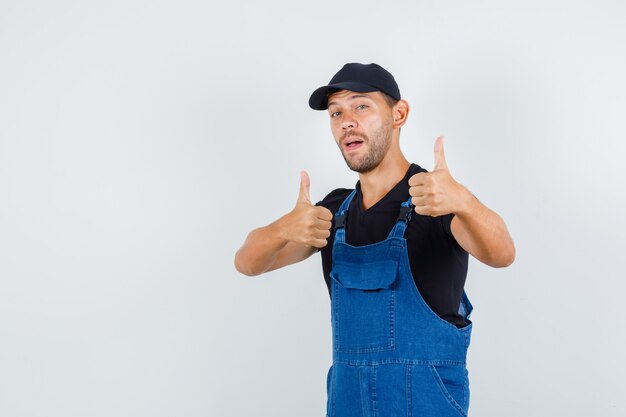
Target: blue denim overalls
[{"x": 392, "y": 355}]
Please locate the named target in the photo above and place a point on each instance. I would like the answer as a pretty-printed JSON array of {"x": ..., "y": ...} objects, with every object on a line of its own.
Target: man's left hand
[{"x": 436, "y": 193}]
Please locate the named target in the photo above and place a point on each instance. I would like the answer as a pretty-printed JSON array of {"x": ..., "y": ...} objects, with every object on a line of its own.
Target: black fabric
[{"x": 438, "y": 263}]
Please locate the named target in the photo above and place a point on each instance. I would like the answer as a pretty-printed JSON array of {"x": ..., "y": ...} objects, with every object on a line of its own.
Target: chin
[{"x": 361, "y": 169}]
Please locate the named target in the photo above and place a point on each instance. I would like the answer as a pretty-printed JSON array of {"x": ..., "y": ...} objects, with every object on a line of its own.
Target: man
[{"x": 394, "y": 257}]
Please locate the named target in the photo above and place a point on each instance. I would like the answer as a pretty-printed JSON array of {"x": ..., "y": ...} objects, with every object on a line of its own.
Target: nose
[{"x": 348, "y": 122}]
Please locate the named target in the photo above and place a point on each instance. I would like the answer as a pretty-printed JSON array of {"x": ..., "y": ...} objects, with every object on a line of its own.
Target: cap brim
[{"x": 319, "y": 98}]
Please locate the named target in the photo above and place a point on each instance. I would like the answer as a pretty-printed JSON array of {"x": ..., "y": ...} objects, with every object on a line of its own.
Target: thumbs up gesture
[
  {"x": 436, "y": 193},
  {"x": 306, "y": 223}
]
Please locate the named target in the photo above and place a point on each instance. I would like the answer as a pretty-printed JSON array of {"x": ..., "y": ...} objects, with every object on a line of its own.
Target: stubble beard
[{"x": 378, "y": 148}]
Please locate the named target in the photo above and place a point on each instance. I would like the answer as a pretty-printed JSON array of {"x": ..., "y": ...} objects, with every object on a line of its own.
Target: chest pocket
[{"x": 363, "y": 296}]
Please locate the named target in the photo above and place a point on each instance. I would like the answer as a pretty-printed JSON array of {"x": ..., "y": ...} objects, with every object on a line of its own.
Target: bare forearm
[
  {"x": 260, "y": 249},
  {"x": 483, "y": 233}
]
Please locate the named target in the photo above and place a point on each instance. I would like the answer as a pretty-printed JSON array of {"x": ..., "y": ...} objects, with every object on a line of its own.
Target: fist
[
  {"x": 436, "y": 193},
  {"x": 306, "y": 223}
]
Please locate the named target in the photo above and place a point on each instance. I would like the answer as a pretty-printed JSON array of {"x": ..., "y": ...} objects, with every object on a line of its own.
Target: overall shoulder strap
[
  {"x": 340, "y": 218},
  {"x": 404, "y": 216}
]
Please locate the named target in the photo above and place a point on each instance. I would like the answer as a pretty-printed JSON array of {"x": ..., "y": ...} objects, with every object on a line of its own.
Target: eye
[
  {"x": 362, "y": 106},
  {"x": 334, "y": 114}
]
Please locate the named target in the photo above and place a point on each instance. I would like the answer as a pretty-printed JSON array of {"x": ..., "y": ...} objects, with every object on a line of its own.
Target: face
[{"x": 362, "y": 126}]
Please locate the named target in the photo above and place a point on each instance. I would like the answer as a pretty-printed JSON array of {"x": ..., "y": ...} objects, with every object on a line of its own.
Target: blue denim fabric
[{"x": 392, "y": 355}]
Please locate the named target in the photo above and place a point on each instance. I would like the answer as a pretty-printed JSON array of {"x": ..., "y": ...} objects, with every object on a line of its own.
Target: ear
[{"x": 400, "y": 113}]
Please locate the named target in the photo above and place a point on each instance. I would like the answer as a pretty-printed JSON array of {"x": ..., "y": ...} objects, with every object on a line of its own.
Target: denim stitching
[
  {"x": 391, "y": 240},
  {"x": 363, "y": 400},
  {"x": 374, "y": 408},
  {"x": 392, "y": 317},
  {"x": 465, "y": 390},
  {"x": 334, "y": 394},
  {"x": 335, "y": 305},
  {"x": 409, "y": 390},
  {"x": 445, "y": 392},
  {"x": 374, "y": 362},
  {"x": 365, "y": 349}
]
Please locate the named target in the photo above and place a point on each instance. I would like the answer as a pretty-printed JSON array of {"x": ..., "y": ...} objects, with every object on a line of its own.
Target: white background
[{"x": 140, "y": 141}]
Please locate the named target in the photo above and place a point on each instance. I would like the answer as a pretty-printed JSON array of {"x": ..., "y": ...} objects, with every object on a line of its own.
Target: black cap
[{"x": 362, "y": 78}]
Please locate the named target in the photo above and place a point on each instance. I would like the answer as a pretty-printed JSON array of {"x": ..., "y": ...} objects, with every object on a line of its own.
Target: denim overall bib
[{"x": 392, "y": 355}]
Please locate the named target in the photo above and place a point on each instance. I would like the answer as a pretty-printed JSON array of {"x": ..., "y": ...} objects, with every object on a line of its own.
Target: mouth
[{"x": 352, "y": 143}]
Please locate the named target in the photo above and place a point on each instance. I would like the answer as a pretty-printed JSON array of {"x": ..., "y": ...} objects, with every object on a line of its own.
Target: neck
[{"x": 379, "y": 181}]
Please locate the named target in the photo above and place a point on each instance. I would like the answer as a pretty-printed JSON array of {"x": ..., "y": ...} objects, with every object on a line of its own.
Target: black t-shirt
[{"x": 438, "y": 263}]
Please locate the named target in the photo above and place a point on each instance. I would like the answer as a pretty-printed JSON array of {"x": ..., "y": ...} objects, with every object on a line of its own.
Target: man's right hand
[
  {"x": 290, "y": 239},
  {"x": 307, "y": 223}
]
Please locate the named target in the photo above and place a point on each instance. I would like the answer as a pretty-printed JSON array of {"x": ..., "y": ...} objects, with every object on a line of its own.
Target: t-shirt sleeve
[{"x": 446, "y": 220}]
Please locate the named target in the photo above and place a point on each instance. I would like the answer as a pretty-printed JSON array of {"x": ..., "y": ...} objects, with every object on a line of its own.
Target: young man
[{"x": 394, "y": 254}]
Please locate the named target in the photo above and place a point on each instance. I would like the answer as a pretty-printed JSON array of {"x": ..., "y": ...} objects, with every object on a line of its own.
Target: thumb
[
  {"x": 305, "y": 184},
  {"x": 440, "y": 158}
]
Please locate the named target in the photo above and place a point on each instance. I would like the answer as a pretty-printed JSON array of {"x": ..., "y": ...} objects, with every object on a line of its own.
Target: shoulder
[{"x": 333, "y": 200}]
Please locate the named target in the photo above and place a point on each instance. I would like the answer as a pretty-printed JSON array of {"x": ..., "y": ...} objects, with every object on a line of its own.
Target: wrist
[
  {"x": 467, "y": 202},
  {"x": 280, "y": 229}
]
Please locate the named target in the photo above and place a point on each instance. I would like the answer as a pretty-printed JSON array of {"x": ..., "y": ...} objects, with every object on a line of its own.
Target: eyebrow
[{"x": 351, "y": 98}]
